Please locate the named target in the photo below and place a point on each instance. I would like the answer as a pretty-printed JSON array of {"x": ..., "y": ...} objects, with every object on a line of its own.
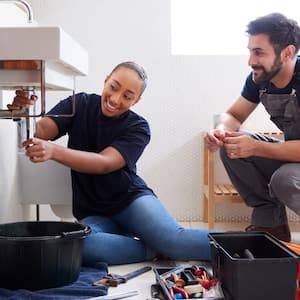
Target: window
[{"x": 217, "y": 27}]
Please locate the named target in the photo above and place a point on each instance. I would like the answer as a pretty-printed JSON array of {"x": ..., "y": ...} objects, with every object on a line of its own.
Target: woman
[{"x": 106, "y": 138}]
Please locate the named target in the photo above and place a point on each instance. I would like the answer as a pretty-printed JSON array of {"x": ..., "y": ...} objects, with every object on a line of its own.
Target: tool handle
[
  {"x": 116, "y": 296},
  {"x": 114, "y": 282},
  {"x": 136, "y": 273}
]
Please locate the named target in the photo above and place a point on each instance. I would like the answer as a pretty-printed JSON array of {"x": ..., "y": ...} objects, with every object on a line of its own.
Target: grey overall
[{"x": 269, "y": 185}]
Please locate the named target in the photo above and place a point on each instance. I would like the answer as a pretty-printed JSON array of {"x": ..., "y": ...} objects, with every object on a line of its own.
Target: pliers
[{"x": 173, "y": 289}]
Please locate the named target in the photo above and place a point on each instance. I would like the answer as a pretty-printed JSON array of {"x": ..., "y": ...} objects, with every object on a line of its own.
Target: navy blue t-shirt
[
  {"x": 250, "y": 90},
  {"x": 89, "y": 130}
]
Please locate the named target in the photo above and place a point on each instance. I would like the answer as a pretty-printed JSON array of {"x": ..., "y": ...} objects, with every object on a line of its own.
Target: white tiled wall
[{"x": 184, "y": 92}]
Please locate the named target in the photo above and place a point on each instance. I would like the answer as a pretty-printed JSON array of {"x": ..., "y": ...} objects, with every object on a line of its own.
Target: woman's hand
[
  {"x": 22, "y": 100},
  {"x": 38, "y": 150}
]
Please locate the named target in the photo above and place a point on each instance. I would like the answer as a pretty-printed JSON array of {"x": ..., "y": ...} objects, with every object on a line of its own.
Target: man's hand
[
  {"x": 239, "y": 145},
  {"x": 214, "y": 139},
  {"x": 22, "y": 100}
]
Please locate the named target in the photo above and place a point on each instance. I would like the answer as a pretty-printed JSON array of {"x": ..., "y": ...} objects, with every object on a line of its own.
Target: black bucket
[{"x": 40, "y": 255}]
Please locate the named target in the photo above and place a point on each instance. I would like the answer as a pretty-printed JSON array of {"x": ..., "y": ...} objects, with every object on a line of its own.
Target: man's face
[
  {"x": 263, "y": 59},
  {"x": 122, "y": 89}
]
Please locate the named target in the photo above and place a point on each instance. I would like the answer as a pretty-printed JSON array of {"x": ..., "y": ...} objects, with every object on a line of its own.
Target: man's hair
[
  {"x": 139, "y": 70},
  {"x": 281, "y": 31}
]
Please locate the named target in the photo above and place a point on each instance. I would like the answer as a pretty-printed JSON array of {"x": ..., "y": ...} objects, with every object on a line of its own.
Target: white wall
[{"x": 183, "y": 93}]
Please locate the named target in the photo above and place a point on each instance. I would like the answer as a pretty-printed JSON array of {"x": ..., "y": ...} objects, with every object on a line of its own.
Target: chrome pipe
[
  {"x": 13, "y": 114},
  {"x": 26, "y": 5}
]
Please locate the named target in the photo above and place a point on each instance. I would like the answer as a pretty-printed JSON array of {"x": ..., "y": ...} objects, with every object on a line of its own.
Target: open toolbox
[
  {"x": 185, "y": 282},
  {"x": 254, "y": 265}
]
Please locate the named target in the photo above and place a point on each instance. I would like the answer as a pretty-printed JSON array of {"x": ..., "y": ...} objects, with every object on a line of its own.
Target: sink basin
[{"x": 64, "y": 58}]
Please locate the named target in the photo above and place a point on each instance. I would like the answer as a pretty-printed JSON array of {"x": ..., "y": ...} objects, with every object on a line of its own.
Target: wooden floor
[{"x": 142, "y": 284}]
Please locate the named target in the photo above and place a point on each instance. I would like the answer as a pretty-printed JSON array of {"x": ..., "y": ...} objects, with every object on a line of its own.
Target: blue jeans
[{"x": 140, "y": 232}]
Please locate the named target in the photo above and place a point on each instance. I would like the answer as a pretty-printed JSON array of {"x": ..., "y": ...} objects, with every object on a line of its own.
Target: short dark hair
[
  {"x": 281, "y": 31},
  {"x": 135, "y": 67}
]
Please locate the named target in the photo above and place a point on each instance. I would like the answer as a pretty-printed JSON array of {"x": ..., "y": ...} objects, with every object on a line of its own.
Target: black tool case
[
  {"x": 254, "y": 265},
  {"x": 164, "y": 271}
]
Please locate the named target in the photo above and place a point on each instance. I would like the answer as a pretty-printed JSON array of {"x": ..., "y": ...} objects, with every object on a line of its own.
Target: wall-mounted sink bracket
[
  {"x": 34, "y": 73},
  {"x": 29, "y": 68}
]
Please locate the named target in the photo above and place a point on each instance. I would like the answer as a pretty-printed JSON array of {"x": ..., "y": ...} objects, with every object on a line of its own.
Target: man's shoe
[{"x": 282, "y": 232}]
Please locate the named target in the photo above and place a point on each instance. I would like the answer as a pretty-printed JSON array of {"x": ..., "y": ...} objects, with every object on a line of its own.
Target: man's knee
[{"x": 285, "y": 182}]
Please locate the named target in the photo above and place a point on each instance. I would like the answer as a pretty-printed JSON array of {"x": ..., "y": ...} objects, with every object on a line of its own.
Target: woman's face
[{"x": 122, "y": 89}]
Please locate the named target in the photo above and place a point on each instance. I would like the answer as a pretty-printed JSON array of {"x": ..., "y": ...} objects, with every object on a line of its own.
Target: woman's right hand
[{"x": 22, "y": 100}]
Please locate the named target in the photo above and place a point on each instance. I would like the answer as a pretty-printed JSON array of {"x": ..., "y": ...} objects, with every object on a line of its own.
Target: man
[{"x": 266, "y": 171}]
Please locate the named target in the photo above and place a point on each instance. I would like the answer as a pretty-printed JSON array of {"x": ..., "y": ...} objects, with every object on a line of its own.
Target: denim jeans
[{"x": 140, "y": 232}]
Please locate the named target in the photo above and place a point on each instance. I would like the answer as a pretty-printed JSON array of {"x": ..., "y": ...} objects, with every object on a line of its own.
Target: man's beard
[{"x": 266, "y": 76}]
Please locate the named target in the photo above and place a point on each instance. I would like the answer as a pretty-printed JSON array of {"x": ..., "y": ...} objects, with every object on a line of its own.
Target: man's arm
[
  {"x": 238, "y": 145},
  {"x": 232, "y": 119},
  {"x": 288, "y": 150},
  {"x": 229, "y": 121}
]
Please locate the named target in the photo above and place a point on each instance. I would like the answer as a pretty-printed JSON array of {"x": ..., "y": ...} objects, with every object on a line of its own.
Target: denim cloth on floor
[{"x": 80, "y": 289}]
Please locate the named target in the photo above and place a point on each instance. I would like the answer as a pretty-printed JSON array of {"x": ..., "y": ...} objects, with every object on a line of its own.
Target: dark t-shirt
[
  {"x": 89, "y": 130},
  {"x": 251, "y": 89}
]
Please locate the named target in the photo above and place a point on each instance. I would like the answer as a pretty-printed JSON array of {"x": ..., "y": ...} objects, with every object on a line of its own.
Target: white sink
[
  {"x": 46, "y": 183},
  {"x": 64, "y": 58}
]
